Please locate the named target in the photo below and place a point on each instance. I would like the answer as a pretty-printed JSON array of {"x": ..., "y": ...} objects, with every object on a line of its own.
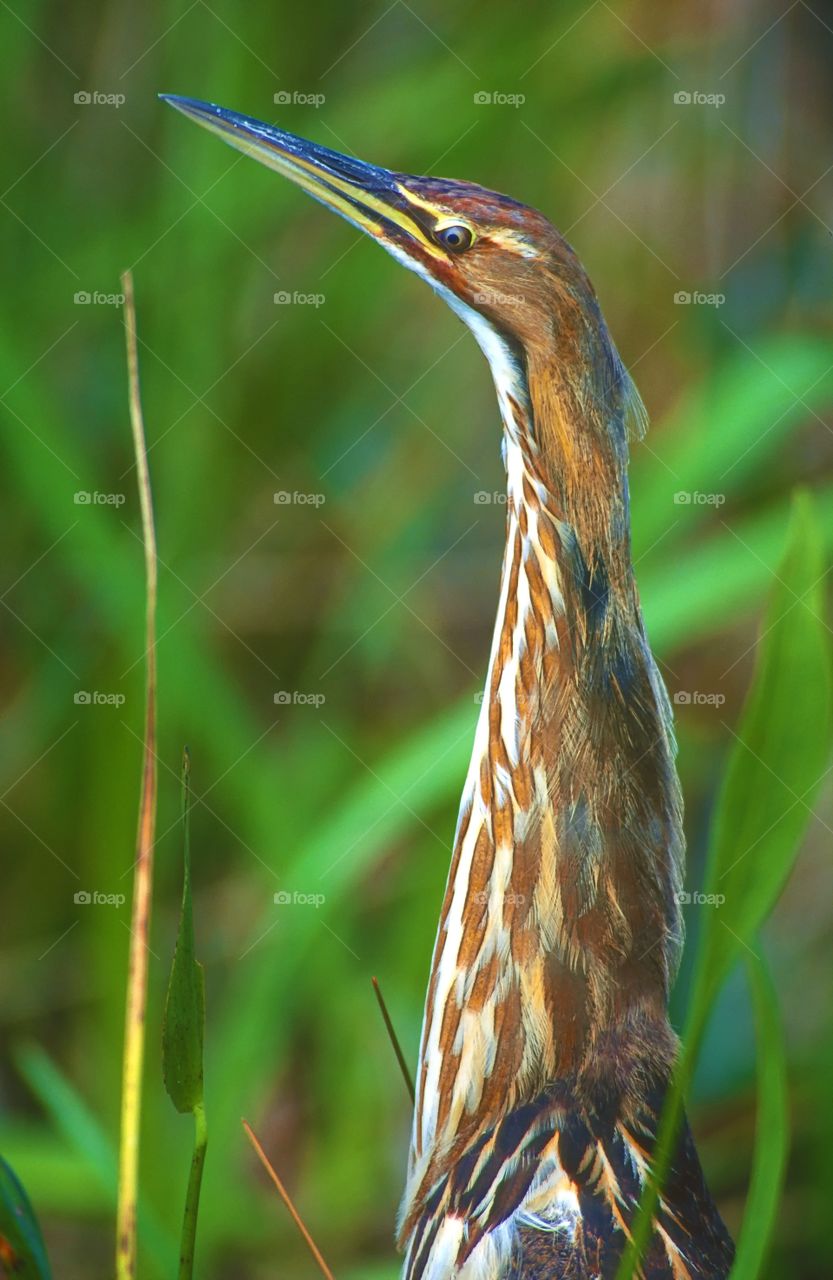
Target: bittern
[{"x": 546, "y": 1049}]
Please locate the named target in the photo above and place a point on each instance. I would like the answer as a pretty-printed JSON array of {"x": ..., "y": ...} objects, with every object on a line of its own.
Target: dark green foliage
[
  {"x": 184, "y": 1022},
  {"x": 22, "y": 1251}
]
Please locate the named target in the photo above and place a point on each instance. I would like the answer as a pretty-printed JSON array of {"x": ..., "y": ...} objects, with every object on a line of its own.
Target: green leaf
[
  {"x": 771, "y": 1127},
  {"x": 22, "y": 1251},
  {"x": 777, "y": 761},
  {"x": 182, "y": 1038},
  {"x": 184, "y": 1022},
  {"x": 775, "y": 768}
]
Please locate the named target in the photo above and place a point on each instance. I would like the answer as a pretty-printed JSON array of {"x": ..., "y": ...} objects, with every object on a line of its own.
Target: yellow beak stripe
[{"x": 321, "y": 183}]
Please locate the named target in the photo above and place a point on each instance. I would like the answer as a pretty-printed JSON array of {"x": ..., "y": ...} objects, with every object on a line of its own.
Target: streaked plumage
[{"x": 546, "y": 1047}]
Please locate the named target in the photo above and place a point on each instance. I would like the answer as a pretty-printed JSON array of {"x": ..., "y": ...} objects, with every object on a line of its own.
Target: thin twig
[
  {"x": 397, "y": 1048},
  {"x": 134, "y": 1027},
  {"x": 284, "y": 1195}
]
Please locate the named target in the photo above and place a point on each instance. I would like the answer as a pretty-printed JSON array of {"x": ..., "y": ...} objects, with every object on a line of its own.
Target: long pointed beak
[{"x": 373, "y": 199}]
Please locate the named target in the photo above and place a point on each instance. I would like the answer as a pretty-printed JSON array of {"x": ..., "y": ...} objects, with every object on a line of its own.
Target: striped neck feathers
[{"x": 560, "y": 917}]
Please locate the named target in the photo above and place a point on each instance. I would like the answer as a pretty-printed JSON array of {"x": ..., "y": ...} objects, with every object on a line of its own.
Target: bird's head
[
  {"x": 519, "y": 287},
  {"x": 493, "y": 259}
]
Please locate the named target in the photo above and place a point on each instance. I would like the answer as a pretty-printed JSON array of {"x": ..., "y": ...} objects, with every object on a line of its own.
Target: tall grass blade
[
  {"x": 183, "y": 1026},
  {"x": 183, "y": 1032},
  {"x": 775, "y": 768},
  {"x": 778, "y": 761},
  {"x": 771, "y": 1127},
  {"x": 134, "y": 1026}
]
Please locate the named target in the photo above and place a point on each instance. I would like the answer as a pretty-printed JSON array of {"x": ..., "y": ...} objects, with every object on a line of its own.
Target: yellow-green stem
[
  {"x": 134, "y": 1027},
  {"x": 192, "y": 1198}
]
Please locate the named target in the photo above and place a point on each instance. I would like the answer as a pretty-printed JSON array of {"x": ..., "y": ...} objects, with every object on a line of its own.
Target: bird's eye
[{"x": 455, "y": 238}]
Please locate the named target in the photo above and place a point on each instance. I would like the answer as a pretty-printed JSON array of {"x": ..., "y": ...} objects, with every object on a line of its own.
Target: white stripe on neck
[{"x": 507, "y": 375}]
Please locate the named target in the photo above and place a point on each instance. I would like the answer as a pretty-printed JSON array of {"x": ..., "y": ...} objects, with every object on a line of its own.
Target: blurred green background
[{"x": 322, "y": 654}]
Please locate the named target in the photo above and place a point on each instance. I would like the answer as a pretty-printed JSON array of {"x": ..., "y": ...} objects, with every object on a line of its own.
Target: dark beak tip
[
  {"x": 328, "y": 162},
  {"x": 177, "y": 101}
]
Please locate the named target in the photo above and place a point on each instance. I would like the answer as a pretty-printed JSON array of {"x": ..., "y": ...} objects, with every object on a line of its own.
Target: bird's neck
[{"x": 559, "y": 918}]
